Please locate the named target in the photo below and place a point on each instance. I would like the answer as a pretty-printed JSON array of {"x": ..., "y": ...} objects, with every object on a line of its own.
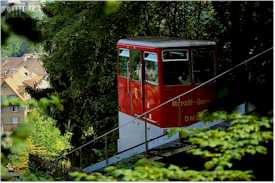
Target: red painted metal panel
[
  {"x": 184, "y": 112},
  {"x": 136, "y": 95},
  {"x": 123, "y": 95},
  {"x": 152, "y": 99}
]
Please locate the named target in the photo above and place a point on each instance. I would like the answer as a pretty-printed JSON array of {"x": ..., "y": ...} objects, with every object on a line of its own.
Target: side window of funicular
[
  {"x": 135, "y": 66},
  {"x": 203, "y": 64},
  {"x": 123, "y": 60},
  {"x": 176, "y": 67},
  {"x": 151, "y": 67}
]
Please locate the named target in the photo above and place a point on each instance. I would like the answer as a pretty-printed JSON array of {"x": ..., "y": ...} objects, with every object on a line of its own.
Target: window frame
[
  {"x": 126, "y": 63},
  {"x": 124, "y": 49},
  {"x": 130, "y": 62},
  {"x": 180, "y": 60},
  {"x": 14, "y": 108},
  {"x": 11, "y": 96},
  {"x": 156, "y": 61},
  {"x": 14, "y": 121},
  {"x": 176, "y": 60}
]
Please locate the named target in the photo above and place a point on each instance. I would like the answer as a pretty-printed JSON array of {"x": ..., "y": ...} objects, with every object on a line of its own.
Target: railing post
[
  {"x": 106, "y": 149},
  {"x": 80, "y": 159},
  {"x": 179, "y": 112},
  {"x": 145, "y": 134},
  {"x": 64, "y": 166}
]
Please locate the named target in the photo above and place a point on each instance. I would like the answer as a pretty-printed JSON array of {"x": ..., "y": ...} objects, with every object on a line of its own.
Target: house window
[
  {"x": 14, "y": 119},
  {"x": 14, "y": 108},
  {"x": 123, "y": 61},
  {"x": 11, "y": 96},
  {"x": 151, "y": 67}
]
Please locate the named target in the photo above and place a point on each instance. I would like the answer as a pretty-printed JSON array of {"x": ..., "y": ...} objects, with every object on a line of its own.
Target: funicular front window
[
  {"x": 123, "y": 60},
  {"x": 176, "y": 67},
  {"x": 151, "y": 67},
  {"x": 203, "y": 66}
]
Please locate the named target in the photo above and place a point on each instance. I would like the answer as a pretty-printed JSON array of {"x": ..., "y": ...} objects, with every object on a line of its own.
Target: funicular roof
[{"x": 164, "y": 42}]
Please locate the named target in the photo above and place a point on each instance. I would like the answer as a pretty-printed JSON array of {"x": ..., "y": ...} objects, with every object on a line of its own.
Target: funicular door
[{"x": 135, "y": 84}]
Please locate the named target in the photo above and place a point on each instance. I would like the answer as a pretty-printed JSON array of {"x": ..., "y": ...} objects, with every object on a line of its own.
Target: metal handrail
[{"x": 168, "y": 101}]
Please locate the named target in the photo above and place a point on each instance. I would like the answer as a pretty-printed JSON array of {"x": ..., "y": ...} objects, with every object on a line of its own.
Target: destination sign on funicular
[{"x": 190, "y": 102}]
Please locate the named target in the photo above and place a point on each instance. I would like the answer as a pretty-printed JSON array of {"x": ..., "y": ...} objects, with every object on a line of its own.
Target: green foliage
[
  {"x": 247, "y": 134},
  {"x": 182, "y": 133},
  {"x": 111, "y": 6},
  {"x": 47, "y": 136},
  {"x": 37, "y": 135},
  {"x": 148, "y": 170},
  {"x": 19, "y": 33},
  {"x": 34, "y": 176},
  {"x": 19, "y": 23},
  {"x": 16, "y": 47},
  {"x": 12, "y": 146}
]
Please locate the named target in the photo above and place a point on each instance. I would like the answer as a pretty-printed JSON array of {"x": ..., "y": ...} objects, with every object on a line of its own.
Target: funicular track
[{"x": 155, "y": 145}]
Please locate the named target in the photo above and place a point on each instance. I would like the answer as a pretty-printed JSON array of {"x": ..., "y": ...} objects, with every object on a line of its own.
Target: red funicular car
[{"x": 153, "y": 70}]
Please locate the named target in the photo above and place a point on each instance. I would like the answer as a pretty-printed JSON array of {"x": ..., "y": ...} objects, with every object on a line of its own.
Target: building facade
[
  {"x": 16, "y": 74},
  {"x": 22, "y": 5}
]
